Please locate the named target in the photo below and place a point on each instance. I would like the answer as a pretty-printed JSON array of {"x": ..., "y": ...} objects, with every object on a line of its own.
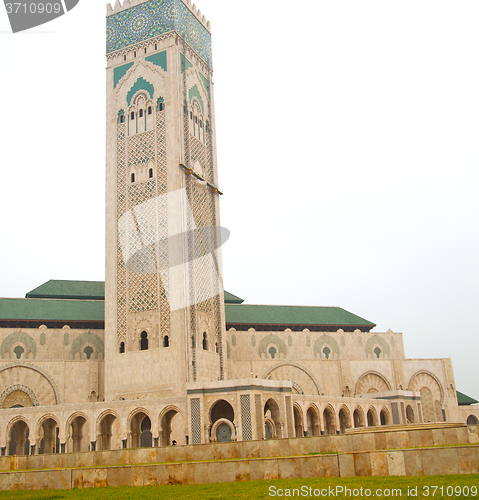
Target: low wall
[
  {"x": 367, "y": 439},
  {"x": 423, "y": 449},
  {"x": 412, "y": 462}
]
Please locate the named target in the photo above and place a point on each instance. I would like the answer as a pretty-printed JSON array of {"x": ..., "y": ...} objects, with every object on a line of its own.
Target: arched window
[
  {"x": 141, "y": 113},
  {"x": 205, "y": 342},
  {"x": 19, "y": 350},
  {"x": 122, "y": 118},
  {"x": 272, "y": 352},
  {"x": 132, "y": 116},
  {"x": 327, "y": 352},
  {"x": 143, "y": 341},
  {"x": 216, "y": 347},
  {"x": 149, "y": 110},
  {"x": 122, "y": 347},
  {"x": 88, "y": 351},
  {"x": 132, "y": 177},
  {"x": 150, "y": 173},
  {"x": 472, "y": 420},
  {"x": 377, "y": 351},
  {"x": 166, "y": 341}
]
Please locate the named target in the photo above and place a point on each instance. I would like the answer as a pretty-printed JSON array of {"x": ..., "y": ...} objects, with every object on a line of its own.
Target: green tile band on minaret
[
  {"x": 120, "y": 72},
  {"x": 153, "y": 18},
  {"x": 140, "y": 84}
]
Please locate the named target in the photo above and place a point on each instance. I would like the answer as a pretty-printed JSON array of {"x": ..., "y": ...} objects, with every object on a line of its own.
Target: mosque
[{"x": 160, "y": 352}]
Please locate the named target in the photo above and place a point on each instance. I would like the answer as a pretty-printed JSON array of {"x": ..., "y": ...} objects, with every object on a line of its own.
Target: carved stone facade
[{"x": 164, "y": 364}]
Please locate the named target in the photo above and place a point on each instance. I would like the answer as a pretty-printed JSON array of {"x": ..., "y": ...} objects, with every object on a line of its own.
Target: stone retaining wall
[
  {"x": 369, "y": 439},
  {"x": 412, "y": 462},
  {"x": 425, "y": 449}
]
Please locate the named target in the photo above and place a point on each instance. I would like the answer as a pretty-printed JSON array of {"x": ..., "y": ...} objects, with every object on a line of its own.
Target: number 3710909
[{"x": 33, "y": 8}]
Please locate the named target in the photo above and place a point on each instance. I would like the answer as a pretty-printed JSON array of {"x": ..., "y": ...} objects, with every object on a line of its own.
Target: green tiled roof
[
  {"x": 87, "y": 290},
  {"x": 61, "y": 289},
  {"x": 292, "y": 315},
  {"x": 58, "y": 300},
  {"x": 52, "y": 310},
  {"x": 232, "y": 299},
  {"x": 462, "y": 399}
]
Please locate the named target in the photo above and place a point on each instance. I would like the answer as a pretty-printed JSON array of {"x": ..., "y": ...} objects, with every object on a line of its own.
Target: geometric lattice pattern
[
  {"x": 323, "y": 342},
  {"x": 18, "y": 395},
  {"x": 142, "y": 291},
  {"x": 202, "y": 266},
  {"x": 376, "y": 340},
  {"x": 161, "y": 187},
  {"x": 201, "y": 202},
  {"x": 195, "y": 421},
  {"x": 19, "y": 337},
  {"x": 88, "y": 339},
  {"x": 153, "y": 18},
  {"x": 246, "y": 417},
  {"x": 259, "y": 416},
  {"x": 121, "y": 210},
  {"x": 289, "y": 415},
  {"x": 200, "y": 152},
  {"x": 272, "y": 339}
]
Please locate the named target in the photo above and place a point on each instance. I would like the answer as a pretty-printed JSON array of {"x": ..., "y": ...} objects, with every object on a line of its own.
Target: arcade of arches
[
  {"x": 279, "y": 410},
  {"x": 109, "y": 430}
]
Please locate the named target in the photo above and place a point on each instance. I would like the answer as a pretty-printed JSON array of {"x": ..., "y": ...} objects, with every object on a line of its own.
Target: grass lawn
[{"x": 431, "y": 487}]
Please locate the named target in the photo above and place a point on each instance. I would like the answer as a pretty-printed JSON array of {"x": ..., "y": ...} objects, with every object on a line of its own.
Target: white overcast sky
[{"x": 348, "y": 153}]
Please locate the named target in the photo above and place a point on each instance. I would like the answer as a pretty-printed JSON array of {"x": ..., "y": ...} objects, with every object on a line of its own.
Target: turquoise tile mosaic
[
  {"x": 153, "y": 18},
  {"x": 140, "y": 84},
  {"x": 194, "y": 92},
  {"x": 120, "y": 72},
  {"x": 159, "y": 60}
]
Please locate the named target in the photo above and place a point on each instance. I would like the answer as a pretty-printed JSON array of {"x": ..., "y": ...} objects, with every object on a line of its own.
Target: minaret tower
[{"x": 164, "y": 296}]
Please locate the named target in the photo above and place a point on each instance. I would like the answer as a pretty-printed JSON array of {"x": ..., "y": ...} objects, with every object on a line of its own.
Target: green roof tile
[
  {"x": 59, "y": 300},
  {"x": 462, "y": 399},
  {"x": 292, "y": 315},
  {"x": 232, "y": 299},
  {"x": 62, "y": 289},
  {"x": 52, "y": 310}
]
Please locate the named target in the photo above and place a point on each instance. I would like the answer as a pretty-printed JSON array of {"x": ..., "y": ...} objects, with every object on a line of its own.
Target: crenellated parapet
[
  {"x": 136, "y": 21},
  {"x": 127, "y": 4}
]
